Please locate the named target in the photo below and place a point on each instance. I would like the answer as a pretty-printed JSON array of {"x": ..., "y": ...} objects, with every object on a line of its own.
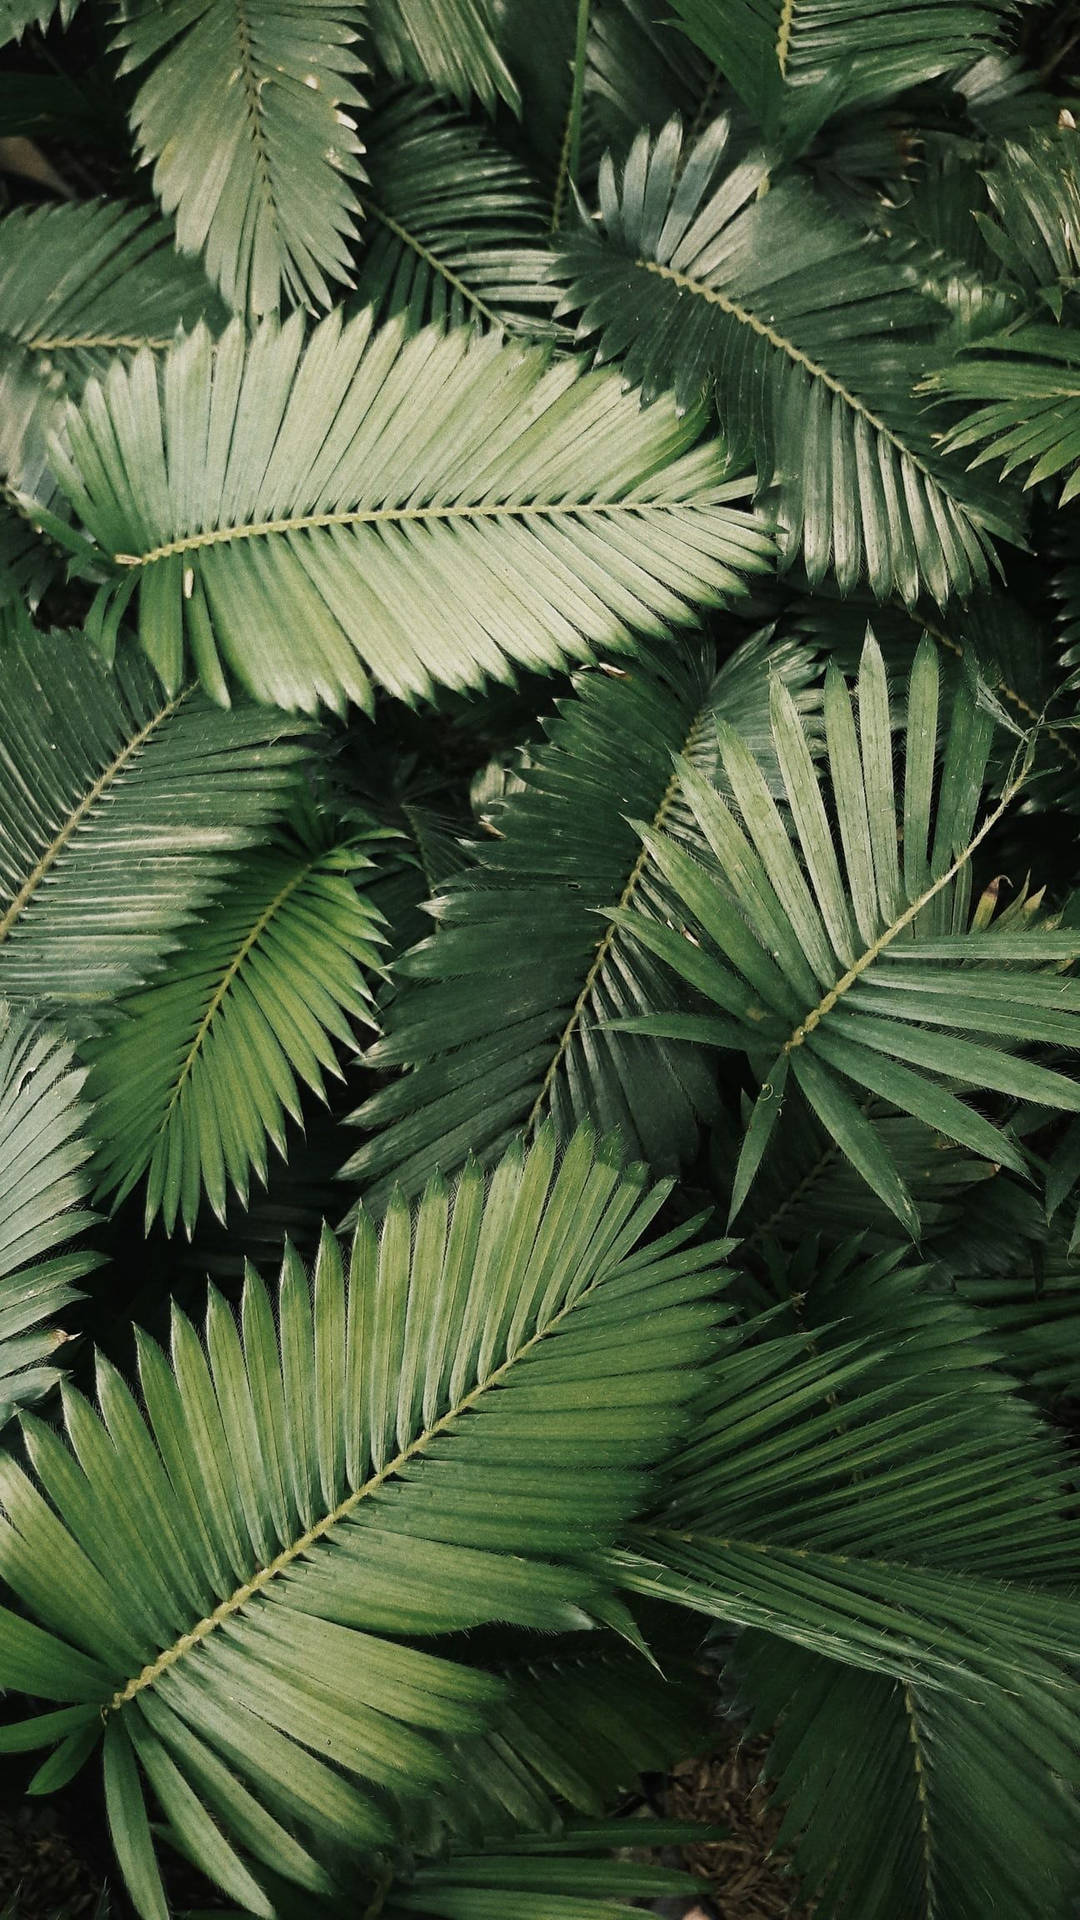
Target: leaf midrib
[
  {"x": 922, "y": 1795},
  {"x": 261, "y": 1580},
  {"x": 250, "y": 940},
  {"x": 365, "y": 516},
  {"x": 81, "y": 812},
  {"x": 611, "y": 932},
  {"x": 432, "y": 260},
  {"x": 911, "y": 913},
  {"x": 688, "y": 284}
]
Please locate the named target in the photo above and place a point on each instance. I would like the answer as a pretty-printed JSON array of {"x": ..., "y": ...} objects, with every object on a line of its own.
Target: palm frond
[
  {"x": 78, "y": 284},
  {"x": 541, "y": 1885},
  {"x": 43, "y": 1184},
  {"x": 1032, "y": 1313},
  {"x": 300, "y": 1496},
  {"x": 433, "y": 509},
  {"x": 826, "y": 1496},
  {"x": 246, "y": 117},
  {"x": 17, "y": 15},
  {"x": 577, "y": 1728},
  {"x": 807, "y": 1191},
  {"x": 639, "y": 73},
  {"x": 453, "y": 45},
  {"x": 847, "y": 955},
  {"x": 456, "y": 229},
  {"x": 119, "y": 810},
  {"x": 1034, "y": 225},
  {"x": 810, "y": 336},
  {"x": 193, "y": 1076},
  {"x": 904, "y": 1802},
  {"x": 501, "y": 1015},
  {"x": 1028, "y": 381},
  {"x": 796, "y": 66}
]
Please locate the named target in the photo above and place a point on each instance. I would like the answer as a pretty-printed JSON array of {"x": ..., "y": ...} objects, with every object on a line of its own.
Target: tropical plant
[{"x": 539, "y": 624}]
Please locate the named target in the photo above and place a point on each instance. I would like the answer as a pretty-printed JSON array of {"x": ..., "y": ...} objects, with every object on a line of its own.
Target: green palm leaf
[
  {"x": 42, "y": 1186},
  {"x": 78, "y": 284},
  {"x": 120, "y": 807},
  {"x": 195, "y": 1074},
  {"x": 1028, "y": 381},
  {"x": 577, "y": 1728},
  {"x": 502, "y": 1013},
  {"x": 17, "y": 15},
  {"x": 456, "y": 229},
  {"x": 225, "y": 1583},
  {"x": 826, "y": 1496},
  {"x": 539, "y": 1886},
  {"x": 811, "y": 337},
  {"x": 797, "y": 65},
  {"x": 453, "y": 45},
  {"x": 905, "y": 1802},
  {"x": 1034, "y": 227},
  {"x": 842, "y": 954},
  {"x": 1031, "y": 1311},
  {"x": 247, "y": 119},
  {"x": 429, "y": 510}
]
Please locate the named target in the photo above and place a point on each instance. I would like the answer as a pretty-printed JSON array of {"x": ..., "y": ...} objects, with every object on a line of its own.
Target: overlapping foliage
[{"x": 539, "y": 645}]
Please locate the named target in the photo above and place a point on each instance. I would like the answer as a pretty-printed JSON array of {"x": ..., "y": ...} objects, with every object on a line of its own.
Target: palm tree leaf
[
  {"x": 531, "y": 1886},
  {"x": 904, "y": 1801},
  {"x": 1028, "y": 380},
  {"x": 119, "y": 809},
  {"x": 246, "y": 116},
  {"x": 223, "y": 1573},
  {"x": 43, "y": 1151},
  {"x": 1032, "y": 1313},
  {"x": 456, "y": 228},
  {"x": 810, "y": 335},
  {"x": 453, "y": 45},
  {"x": 1034, "y": 224},
  {"x": 17, "y": 15},
  {"x": 826, "y": 1494},
  {"x": 443, "y": 506},
  {"x": 501, "y": 1013},
  {"x": 195, "y": 1074},
  {"x": 858, "y": 971},
  {"x": 78, "y": 284},
  {"x": 796, "y": 66},
  {"x": 578, "y": 1726}
]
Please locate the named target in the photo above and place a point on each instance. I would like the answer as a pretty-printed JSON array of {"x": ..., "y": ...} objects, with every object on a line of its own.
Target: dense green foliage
[{"x": 539, "y": 638}]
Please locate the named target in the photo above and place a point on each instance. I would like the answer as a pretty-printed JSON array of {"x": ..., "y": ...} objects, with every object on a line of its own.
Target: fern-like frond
[
  {"x": 1028, "y": 383},
  {"x": 1034, "y": 228},
  {"x": 1032, "y": 1313},
  {"x": 247, "y": 118},
  {"x": 78, "y": 284},
  {"x": 194, "y": 1075},
  {"x": 501, "y": 1015},
  {"x": 905, "y": 1802},
  {"x": 826, "y": 1496},
  {"x": 578, "y": 1726},
  {"x": 795, "y": 65},
  {"x": 810, "y": 336},
  {"x": 298, "y": 514},
  {"x": 546, "y": 1883},
  {"x": 456, "y": 229},
  {"x": 17, "y": 15},
  {"x": 43, "y": 1184},
  {"x": 120, "y": 809},
  {"x": 453, "y": 45},
  {"x": 225, "y": 1586},
  {"x": 838, "y": 944}
]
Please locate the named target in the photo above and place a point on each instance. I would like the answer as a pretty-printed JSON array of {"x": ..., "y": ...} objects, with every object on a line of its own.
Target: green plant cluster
[{"x": 539, "y": 782}]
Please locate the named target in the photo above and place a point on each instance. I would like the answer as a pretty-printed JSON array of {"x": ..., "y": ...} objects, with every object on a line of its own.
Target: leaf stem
[{"x": 570, "y": 156}]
